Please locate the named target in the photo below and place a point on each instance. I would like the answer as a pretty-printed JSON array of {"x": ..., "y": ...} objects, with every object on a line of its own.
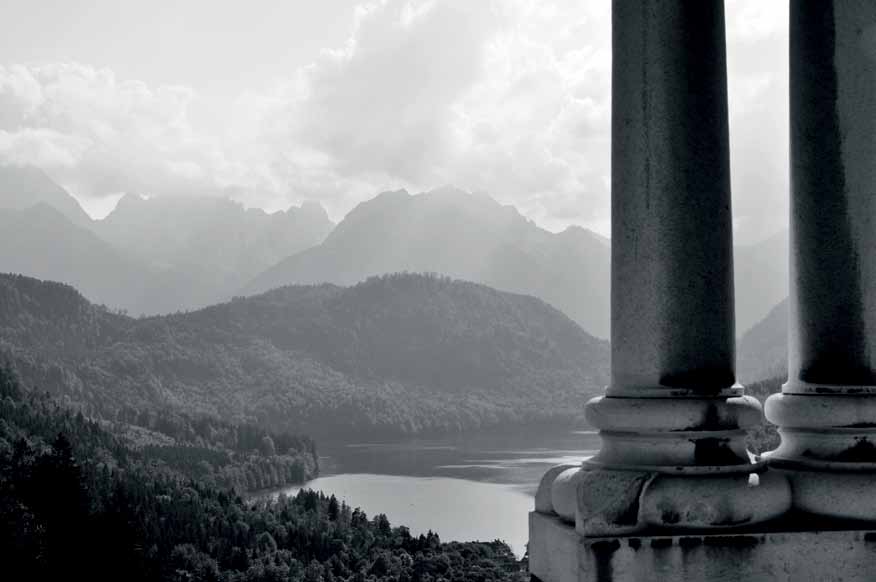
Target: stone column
[
  {"x": 827, "y": 409},
  {"x": 673, "y": 420}
]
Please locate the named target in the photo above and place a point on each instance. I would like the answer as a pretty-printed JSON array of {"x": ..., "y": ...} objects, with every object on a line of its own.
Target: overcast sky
[{"x": 273, "y": 102}]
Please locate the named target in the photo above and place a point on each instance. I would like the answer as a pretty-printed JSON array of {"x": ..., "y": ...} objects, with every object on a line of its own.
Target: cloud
[
  {"x": 385, "y": 104},
  {"x": 95, "y": 131},
  {"x": 511, "y": 97}
]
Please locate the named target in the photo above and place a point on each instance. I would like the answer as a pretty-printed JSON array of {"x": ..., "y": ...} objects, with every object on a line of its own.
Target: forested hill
[{"x": 395, "y": 354}]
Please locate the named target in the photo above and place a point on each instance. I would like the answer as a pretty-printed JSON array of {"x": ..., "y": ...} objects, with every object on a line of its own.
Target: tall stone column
[
  {"x": 672, "y": 421},
  {"x": 827, "y": 410}
]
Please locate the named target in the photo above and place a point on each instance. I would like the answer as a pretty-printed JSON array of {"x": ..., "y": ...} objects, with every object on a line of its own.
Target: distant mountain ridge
[
  {"x": 763, "y": 351},
  {"x": 461, "y": 235},
  {"x": 41, "y": 241},
  {"x": 161, "y": 255},
  {"x": 147, "y": 256},
  {"x": 473, "y": 237},
  {"x": 22, "y": 187},
  {"x": 393, "y": 355},
  {"x": 212, "y": 246},
  {"x": 761, "y": 272}
]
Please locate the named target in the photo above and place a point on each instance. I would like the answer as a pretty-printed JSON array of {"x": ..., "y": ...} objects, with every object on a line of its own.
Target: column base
[
  {"x": 671, "y": 463},
  {"x": 837, "y": 495},
  {"x": 557, "y": 553},
  {"x": 599, "y": 501},
  {"x": 828, "y": 449}
]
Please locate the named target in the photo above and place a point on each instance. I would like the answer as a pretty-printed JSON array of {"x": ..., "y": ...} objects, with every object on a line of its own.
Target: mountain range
[
  {"x": 212, "y": 245},
  {"x": 398, "y": 354},
  {"x": 42, "y": 242},
  {"x": 148, "y": 256},
  {"x": 22, "y": 187},
  {"x": 465, "y": 236},
  {"x": 161, "y": 255}
]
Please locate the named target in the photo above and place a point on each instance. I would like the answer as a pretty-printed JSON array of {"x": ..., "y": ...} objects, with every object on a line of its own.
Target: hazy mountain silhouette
[
  {"x": 42, "y": 242},
  {"x": 24, "y": 186},
  {"x": 466, "y": 236},
  {"x": 185, "y": 253},
  {"x": 397, "y": 354},
  {"x": 761, "y": 272},
  {"x": 148, "y": 256},
  {"x": 762, "y": 309},
  {"x": 473, "y": 237},
  {"x": 213, "y": 244},
  {"x": 762, "y": 352}
]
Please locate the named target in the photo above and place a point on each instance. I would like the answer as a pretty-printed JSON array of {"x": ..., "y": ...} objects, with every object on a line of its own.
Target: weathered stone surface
[
  {"x": 543, "y": 495},
  {"x": 822, "y": 411},
  {"x": 775, "y": 556},
  {"x": 841, "y": 450},
  {"x": 845, "y": 495},
  {"x": 673, "y": 414},
  {"x": 674, "y": 435},
  {"x": 564, "y": 493},
  {"x": 553, "y": 549},
  {"x": 714, "y": 502},
  {"x": 608, "y": 502},
  {"x": 833, "y": 145},
  {"x": 693, "y": 452},
  {"x": 672, "y": 325}
]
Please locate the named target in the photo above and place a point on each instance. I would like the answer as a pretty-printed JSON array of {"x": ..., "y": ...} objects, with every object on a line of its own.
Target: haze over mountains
[
  {"x": 762, "y": 352},
  {"x": 157, "y": 255},
  {"x": 22, "y": 187},
  {"x": 761, "y": 273},
  {"x": 393, "y": 355},
  {"x": 465, "y": 236},
  {"x": 475, "y": 238},
  {"x": 211, "y": 246},
  {"x": 147, "y": 256},
  {"x": 42, "y": 242}
]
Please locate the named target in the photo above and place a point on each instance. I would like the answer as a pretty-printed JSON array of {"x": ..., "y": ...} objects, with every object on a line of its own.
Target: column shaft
[
  {"x": 672, "y": 334},
  {"x": 833, "y": 198},
  {"x": 672, "y": 276},
  {"x": 828, "y": 407}
]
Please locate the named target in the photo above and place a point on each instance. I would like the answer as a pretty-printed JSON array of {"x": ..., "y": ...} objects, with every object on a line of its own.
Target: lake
[{"x": 464, "y": 487}]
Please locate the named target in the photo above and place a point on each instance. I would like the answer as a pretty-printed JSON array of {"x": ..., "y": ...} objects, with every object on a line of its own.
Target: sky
[{"x": 274, "y": 102}]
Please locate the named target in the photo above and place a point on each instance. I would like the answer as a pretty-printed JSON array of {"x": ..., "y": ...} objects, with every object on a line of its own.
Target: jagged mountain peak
[
  {"x": 462, "y": 235},
  {"x": 25, "y": 186}
]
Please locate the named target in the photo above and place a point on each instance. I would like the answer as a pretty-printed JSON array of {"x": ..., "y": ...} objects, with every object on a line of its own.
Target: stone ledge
[{"x": 558, "y": 554}]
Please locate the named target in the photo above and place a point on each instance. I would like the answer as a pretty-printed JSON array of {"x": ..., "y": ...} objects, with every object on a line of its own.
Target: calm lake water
[{"x": 464, "y": 487}]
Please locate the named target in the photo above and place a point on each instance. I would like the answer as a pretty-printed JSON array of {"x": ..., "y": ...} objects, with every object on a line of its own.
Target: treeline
[
  {"x": 207, "y": 431},
  {"x": 77, "y": 503},
  {"x": 240, "y": 456},
  {"x": 243, "y": 472}
]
